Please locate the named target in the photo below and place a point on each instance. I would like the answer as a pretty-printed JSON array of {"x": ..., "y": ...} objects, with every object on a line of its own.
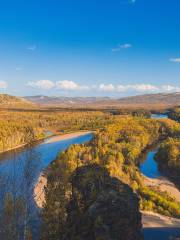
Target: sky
[{"x": 73, "y": 48}]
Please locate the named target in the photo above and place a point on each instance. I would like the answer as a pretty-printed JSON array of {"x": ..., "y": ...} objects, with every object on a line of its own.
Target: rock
[{"x": 102, "y": 207}]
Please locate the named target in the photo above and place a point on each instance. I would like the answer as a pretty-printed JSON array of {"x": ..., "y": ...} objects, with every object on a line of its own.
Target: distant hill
[
  {"x": 152, "y": 100},
  {"x": 167, "y": 98},
  {"x": 66, "y": 101},
  {"x": 8, "y": 101},
  {"x": 161, "y": 100}
]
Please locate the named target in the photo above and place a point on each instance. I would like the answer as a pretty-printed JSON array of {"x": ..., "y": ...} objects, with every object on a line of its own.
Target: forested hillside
[{"x": 116, "y": 148}]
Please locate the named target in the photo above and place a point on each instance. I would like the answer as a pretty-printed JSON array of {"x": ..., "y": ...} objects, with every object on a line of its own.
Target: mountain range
[
  {"x": 150, "y": 101},
  {"x": 161, "y": 100}
]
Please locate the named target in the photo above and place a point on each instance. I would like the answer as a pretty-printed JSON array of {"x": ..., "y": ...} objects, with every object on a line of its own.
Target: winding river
[
  {"x": 21, "y": 167},
  {"x": 149, "y": 168}
]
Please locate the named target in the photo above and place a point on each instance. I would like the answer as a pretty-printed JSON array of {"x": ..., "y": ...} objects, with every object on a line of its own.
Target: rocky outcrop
[{"x": 102, "y": 207}]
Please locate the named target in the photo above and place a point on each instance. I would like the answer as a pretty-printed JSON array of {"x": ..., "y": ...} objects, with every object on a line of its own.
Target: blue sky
[{"x": 89, "y": 48}]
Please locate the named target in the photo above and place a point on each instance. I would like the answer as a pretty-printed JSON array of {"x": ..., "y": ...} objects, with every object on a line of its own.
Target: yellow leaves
[
  {"x": 159, "y": 202},
  {"x": 113, "y": 169}
]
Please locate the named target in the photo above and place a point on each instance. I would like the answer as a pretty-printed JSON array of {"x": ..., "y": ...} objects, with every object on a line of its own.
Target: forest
[
  {"x": 22, "y": 127},
  {"x": 91, "y": 175},
  {"x": 117, "y": 148}
]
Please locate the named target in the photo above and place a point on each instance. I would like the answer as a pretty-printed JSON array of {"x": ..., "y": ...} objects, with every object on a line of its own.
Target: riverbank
[
  {"x": 39, "y": 195},
  {"x": 155, "y": 220},
  {"x": 25, "y": 144},
  {"x": 66, "y": 136},
  {"x": 13, "y": 148},
  {"x": 49, "y": 139},
  {"x": 164, "y": 185},
  {"x": 149, "y": 219}
]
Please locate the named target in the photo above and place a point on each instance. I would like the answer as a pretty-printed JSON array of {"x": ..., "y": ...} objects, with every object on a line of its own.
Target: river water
[
  {"x": 149, "y": 166},
  {"x": 159, "y": 116},
  {"x": 20, "y": 169},
  {"x": 13, "y": 163}
]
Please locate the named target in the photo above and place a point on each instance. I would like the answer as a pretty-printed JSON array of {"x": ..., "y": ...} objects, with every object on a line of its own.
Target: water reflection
[
  {"x": 149, "y": 166},
  {"x": 19, "y": 170}
]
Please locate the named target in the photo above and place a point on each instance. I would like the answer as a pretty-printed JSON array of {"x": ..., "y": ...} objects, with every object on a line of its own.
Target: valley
[{"x": 42, "y": 149}]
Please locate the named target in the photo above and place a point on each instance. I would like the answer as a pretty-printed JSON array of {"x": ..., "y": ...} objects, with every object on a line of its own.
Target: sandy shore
[
  {"x": 66, "y": 136},
  {"x": 51, "y": 139},
  {"x": 13, "y": 148},
  {"x": 149, "y": 219},
  {"x": 155, "y": 220},
  {"x": 39, "y": 195},
  {"x": 164, "y": 185}
]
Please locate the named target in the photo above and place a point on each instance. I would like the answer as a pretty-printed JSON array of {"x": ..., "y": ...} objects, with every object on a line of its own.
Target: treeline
[
  {"x": 117, "y": 148},
  {"x": 134, "y": 112},
  {"x": 17, "y": 128},
  {"x": 14, "y": 133}
]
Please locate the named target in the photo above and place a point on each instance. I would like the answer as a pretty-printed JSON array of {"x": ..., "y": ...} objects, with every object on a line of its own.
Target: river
[
  {"x": 149, "y": 168},
  {"x": 20, "y": 168},
  {"x": 159, "y": 116}
]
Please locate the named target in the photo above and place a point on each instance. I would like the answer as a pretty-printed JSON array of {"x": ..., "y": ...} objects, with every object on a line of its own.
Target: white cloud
[
  {"x": 42, "y": 84},
  {"x": 176, "y": 60},
  {"x": 170, "y": 88},
  {"x": 70, "y": 85},
  {"x": 32, "y": 47},
  {"x": 62, "y": 85},
  {"x": 143, "y": 87},
  {"x": 124, "y": 88},
  {"x": 106, "y": 87},
  {"x": 3, "y": 85},
  {"x": 146, "y": 88},
  {"x": 122, "y": 46}
]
